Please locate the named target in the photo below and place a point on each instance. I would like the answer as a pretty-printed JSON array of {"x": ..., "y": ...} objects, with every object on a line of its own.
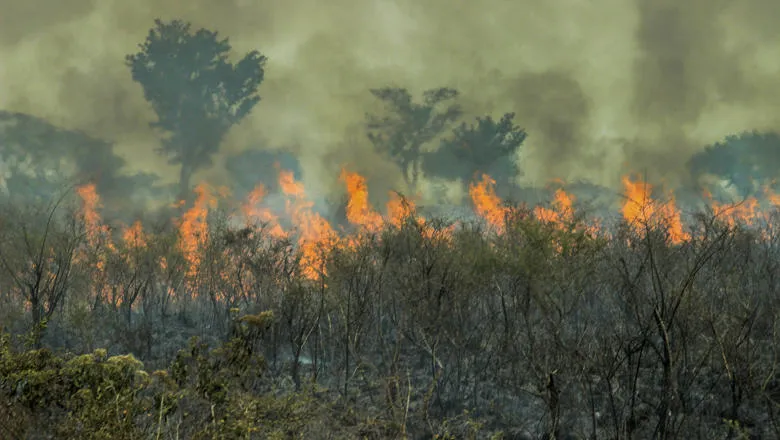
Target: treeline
[{"x": 198, "y": 95}]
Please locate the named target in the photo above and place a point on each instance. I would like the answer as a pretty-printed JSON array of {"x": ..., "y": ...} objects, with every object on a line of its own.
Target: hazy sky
[{"x": 602, "y": 86}]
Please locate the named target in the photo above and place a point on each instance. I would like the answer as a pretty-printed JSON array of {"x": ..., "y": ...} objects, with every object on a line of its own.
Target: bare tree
[{"x": 39, "y": 251}]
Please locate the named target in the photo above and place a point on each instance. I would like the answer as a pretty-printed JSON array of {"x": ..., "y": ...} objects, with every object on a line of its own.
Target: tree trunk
[
  {"x": 667, "y": 408},
  {"x": 127, "y": 307},
  {"x": 36, "y": 309}
]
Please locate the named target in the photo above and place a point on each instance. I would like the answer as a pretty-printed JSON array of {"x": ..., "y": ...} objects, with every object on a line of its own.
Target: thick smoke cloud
[
  {"x": 559, "y": 110},
  {"x": 602, "y": 87},
  {"x": 701, "y": 71}
]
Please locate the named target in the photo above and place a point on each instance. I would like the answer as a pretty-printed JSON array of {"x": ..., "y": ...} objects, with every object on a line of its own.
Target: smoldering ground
[{"x": 602, "y": 87}]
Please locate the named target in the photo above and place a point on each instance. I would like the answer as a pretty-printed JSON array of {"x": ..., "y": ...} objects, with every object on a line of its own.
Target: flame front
[{"x": 315, "y": 237}]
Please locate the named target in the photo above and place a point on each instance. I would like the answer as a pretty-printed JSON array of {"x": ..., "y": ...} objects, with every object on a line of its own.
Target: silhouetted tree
[
  {"x": 743, "y": 160},
  {"x": 38, "y": 158},
  {"x": 410, "y": 125},
  {"x": 476, "y": 148},
  {"x": 197, "y": 94}
]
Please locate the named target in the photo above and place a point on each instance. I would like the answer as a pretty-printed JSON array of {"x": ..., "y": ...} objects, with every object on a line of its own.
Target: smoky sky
[{"x": 603, "y": 87}]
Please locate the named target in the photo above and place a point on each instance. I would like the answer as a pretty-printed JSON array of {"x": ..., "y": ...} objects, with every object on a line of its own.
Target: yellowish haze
[{"x": 602, "y": 86}]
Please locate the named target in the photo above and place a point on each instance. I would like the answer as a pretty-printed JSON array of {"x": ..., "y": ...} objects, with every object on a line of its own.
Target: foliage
[
  {"x": 746, "y": 160},
  {"x": 476, "y": 148},
  {"x": 215, "y": 394},
  {"x": 46, "y": 240},
  {"x": 91, "y": 396},
  {"x": 410, "y": 125},
  {"x": 196, "y": 92},
  {"x": 425, "y": 328}
]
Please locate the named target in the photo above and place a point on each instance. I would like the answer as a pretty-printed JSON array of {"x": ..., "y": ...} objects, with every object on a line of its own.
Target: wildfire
[
  {"x": 254, "y": 212},
  {"x": 97, "y": 232},
  {"x": 314, "y": 236},
  {"x": 194, "y": 230},
  {"x": 359, "y": 212},
  {"x": 641, "y": 211},
  {"x": 398, "y": 209},
  {"x": 562, "y": 211},
  {"x": 486, "y": 203},
  {"x": 99, "y": 243},
  {"x": 134, "y": 236}
]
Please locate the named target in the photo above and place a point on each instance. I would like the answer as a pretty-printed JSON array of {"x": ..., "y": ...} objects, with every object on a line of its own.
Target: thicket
[{"x": 424, "y": 330}]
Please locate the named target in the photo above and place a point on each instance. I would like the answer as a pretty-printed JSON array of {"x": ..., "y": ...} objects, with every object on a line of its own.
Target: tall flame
[
  {"x": 641, "y": 211},
  {"x": 315, "y": 234},
  {"x": 99, "y": 243},
  {"x": 194, "y": 230},
  {"x": 254, "y": 212},
  {"x": 359, "y": 211},
  {"x": 486, "y": 203}
]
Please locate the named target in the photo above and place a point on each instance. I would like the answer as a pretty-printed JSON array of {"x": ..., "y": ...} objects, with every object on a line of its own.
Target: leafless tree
[{"x": 40, "y": 245}]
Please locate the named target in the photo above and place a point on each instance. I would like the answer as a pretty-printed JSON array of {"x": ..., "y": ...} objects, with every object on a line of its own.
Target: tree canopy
[
  {"x": 745, "y": 160},
  {"x": 196, "y": 92},
  {"x": 476, "y": 148},
  {"x": 409, "y": 125}
]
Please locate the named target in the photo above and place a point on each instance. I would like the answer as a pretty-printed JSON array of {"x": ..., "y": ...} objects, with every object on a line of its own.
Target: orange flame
[
  {"x": 486, "y": 203},
  {"x": 561, "y": 211},
  {"x": 254, "y": 212},
  {"x": 134, "y": 235},
  {"x": 641, "y": 211},
  {"x": 193, "y": 231},
  {"x": 99, "y": 243},
  {"x": 398, "y": 209},
  {"x": 315, "y": 234},
  {"x": 359, "y": 211}
]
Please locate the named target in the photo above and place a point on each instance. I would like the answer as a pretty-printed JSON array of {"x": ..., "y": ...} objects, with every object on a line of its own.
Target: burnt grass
[{"x": 540, "y": 331}]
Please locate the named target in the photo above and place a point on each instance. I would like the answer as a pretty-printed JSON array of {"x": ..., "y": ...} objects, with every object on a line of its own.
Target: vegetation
[
  {"x": 420, "y": 329},
  {"x": 195, "y": 91},
  {"x": 516, "y": 324},
  {"x": 475, "y": 149},
  {"x": 746, "y": 161},
  {"x": 409, "y": 126}
]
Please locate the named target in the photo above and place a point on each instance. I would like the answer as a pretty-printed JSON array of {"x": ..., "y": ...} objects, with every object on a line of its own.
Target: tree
[
  {"x": 743, "y": 160},
  {"x": 40, "y": 251},
  {"x": 476, "y": 148},
  {"x": 410, "y": 125},
  {"x": 37, "y": 158},
  {"x": 197, "y": 94}
]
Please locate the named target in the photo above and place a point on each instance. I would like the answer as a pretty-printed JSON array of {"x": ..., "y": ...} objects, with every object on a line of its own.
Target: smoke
[
  {"x": 602, "y": 87},
  {"x": 700, "y": 74},
  {"x": 557, "y": 108}
]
